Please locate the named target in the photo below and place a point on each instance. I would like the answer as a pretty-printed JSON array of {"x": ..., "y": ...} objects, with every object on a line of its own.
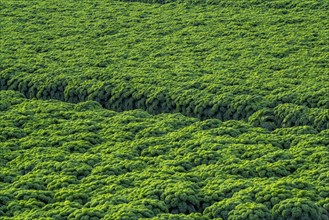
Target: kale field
[{"x": 164, "y": 109}]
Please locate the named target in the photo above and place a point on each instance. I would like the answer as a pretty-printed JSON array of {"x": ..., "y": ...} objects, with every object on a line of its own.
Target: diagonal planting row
[
  {"x": 281, "y": 4},
  {"x": 283, "y": 110}
]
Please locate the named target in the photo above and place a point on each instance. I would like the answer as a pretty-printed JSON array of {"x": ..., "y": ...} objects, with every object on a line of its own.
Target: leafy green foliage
[
  {"x": 297, "y": 208},
  {"x": 250, "y": 211},
  {"x": 164, "y": 109},
  {"x": 81, "y": 161},
  {"x": 260, "y": 61}
]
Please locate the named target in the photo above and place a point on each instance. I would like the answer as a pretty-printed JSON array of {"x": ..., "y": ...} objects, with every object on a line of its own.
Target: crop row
[
  {"x": 280, "y": 4},
  {"x": 62, "y": 160},
  {"x": 122, "y": 96}
]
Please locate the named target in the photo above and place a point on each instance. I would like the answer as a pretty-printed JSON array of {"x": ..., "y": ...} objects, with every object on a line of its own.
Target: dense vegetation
[
  {"x": 225, "y": 61},
  {"x": 164, "y": 109},
  {"x": 78, "y": 161}
]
